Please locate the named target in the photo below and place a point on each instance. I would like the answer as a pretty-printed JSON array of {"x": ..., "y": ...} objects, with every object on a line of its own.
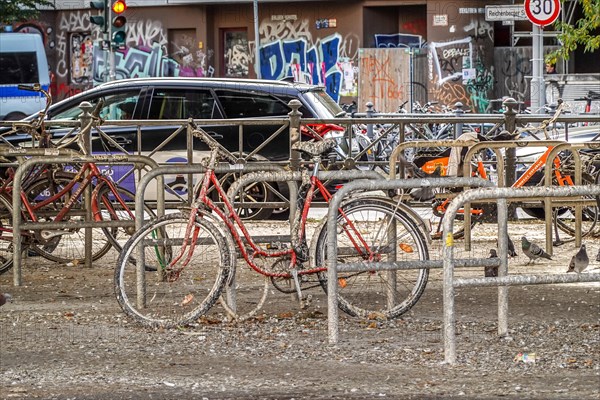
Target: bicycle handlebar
[{"x": 545, "y": 123}]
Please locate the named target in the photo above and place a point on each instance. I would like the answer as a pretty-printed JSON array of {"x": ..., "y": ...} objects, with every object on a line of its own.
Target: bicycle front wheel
[
  {"x": 65, "y": 245},
  {"x": 375, "y": 232},
  {"x": 173, "y": 286}
]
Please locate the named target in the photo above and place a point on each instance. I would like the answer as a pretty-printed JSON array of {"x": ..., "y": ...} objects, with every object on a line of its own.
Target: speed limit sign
[{"x": 542, "y": 12}]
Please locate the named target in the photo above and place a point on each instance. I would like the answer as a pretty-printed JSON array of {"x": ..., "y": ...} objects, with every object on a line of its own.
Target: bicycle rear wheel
[
  {"x": 172, "y": 292},
  {"x": 391, "y": 235},
  {"x": 111, "y": 209}
]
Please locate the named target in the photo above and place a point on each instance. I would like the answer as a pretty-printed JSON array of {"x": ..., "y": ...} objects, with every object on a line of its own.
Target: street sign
[
  {"x": 542, "y": 12},
  {"x": 510, "y": 12}
]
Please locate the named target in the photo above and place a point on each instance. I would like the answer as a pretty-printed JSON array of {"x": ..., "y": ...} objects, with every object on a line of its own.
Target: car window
[
  {"x": 18, "y": 67},
  {"x": 303, "y": 110},
  {"x": 237, "y": 104},
  {"x": 182, "y": 104},
  {"x": 117, "y": 106}
]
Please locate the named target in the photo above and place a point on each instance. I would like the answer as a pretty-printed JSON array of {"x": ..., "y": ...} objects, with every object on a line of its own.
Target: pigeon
[
  {"x": 533, "y": 251},
  {"x": 511, "y": 248},
  {"x": 492, "y": 272},
  {"x": 598, "y": 256},
  {"x": 425, "y": 193},
  {"x": 5, "y": 298},
  {"x": 579, "y": 261}
]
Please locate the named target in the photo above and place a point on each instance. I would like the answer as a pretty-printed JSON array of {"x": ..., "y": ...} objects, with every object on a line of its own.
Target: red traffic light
[
  {"x": 119, "y": 22},
  {"x": 119, "y": 6}
]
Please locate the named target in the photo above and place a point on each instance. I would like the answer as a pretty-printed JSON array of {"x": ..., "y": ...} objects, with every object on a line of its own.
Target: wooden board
[{"x": 384, "y": 78}]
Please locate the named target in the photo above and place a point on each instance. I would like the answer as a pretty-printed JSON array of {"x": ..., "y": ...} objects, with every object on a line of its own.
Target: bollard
[
  {"x": 370, "y": 112},
  {"x": 459, "y": 112}
]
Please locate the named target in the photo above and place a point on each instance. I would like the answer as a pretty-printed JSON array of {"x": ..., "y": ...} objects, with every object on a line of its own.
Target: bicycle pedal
[{"x": 32, "y": 253}]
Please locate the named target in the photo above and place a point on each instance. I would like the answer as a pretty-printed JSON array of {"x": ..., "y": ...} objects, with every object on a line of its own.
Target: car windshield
[{"x": 324, "y": 104}]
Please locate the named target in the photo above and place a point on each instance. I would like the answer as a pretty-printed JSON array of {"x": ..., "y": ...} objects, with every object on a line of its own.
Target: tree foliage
[
  {"x": 585, "y": 32},
  {"x": 12, "y": 11}
]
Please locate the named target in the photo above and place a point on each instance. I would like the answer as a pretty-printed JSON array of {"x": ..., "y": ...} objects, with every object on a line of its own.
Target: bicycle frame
[
  {"x": 233, "y": 222},
  {"x": 84, "y": 178}
]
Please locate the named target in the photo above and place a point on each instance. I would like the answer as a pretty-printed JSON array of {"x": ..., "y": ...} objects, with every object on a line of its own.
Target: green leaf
[{"x": 13, "y": 11}]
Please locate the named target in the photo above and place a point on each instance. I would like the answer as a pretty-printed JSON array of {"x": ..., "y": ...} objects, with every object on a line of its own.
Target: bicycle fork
[{"x": 188, "y": 245}]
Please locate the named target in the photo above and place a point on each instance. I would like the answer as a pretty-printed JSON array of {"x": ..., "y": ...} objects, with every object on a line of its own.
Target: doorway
[{"x": 236, "y": 54}]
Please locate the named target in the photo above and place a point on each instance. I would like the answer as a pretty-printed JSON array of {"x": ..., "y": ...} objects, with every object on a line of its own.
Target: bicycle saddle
[{"x": 315, "y": 148}]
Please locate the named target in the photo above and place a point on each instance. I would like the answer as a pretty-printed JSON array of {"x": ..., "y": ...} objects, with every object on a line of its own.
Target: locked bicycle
[
  {"x": 55, "y": 193},
  {"x": 175, "y": 268}
]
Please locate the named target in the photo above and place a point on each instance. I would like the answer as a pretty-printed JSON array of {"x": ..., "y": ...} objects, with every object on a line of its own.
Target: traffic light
[
  {"x": 119, "y": 22},
  {"x": 102, "y": 18}
]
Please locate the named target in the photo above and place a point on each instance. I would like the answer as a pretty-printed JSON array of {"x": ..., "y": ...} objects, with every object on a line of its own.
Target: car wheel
[
  {"x": 15, "y": 116},
  {"x": 254, "y": 193}
]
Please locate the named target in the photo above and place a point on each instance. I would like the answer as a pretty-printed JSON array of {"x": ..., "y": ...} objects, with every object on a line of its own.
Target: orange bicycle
[{"x": 563, "y": 175}]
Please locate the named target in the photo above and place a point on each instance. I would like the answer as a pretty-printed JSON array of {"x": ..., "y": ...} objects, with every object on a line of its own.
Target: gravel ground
[{"x": 65, "y": 337}]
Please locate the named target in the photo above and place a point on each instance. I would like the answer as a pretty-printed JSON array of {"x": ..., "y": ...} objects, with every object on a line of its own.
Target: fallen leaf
[
  {"x": 376, "y": 316},
  {"x": 407, "y": 248},
  {"x": 187, "y": 300}
]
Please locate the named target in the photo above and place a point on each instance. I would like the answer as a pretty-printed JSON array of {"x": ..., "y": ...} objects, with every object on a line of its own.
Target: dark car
[{"x": 198, "y": 98}]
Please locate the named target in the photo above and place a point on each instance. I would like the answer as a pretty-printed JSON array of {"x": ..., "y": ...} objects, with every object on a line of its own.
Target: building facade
[{"x": 453, "y": 53}]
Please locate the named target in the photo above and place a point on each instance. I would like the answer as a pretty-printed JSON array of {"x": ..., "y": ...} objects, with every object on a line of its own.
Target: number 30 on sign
[{"x": 542, "y": 12}]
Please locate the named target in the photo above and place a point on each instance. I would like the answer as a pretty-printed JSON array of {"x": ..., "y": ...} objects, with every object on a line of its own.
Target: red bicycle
[
  {"x": 175, "y": 268},
  {"x": 55, "y": 193}
]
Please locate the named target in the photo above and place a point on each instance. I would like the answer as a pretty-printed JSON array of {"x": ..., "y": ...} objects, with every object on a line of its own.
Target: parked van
[{"x": 22, "y": 61}]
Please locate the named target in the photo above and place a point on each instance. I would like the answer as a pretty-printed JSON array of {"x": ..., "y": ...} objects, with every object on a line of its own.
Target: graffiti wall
[
  {"x": 288, "y": 49},
  {"x": 384, "y": 79},
  {"x": 398, "y": 40},
  {"x": 151, "y": 50},
  {"x": 513, "y": 71},
  {"x": 461, "y": 69}
]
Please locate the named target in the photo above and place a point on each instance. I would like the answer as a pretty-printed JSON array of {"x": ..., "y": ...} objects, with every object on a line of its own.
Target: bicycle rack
[
  {"x": 449, "y": 263},
  {"x": 422, "y": 144},
  {"x": 558, "y": 146},
  {"x": 332, "y": 265},
  {"x": 500, "y": 168},
  {"x": 73, "y": 157}
]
